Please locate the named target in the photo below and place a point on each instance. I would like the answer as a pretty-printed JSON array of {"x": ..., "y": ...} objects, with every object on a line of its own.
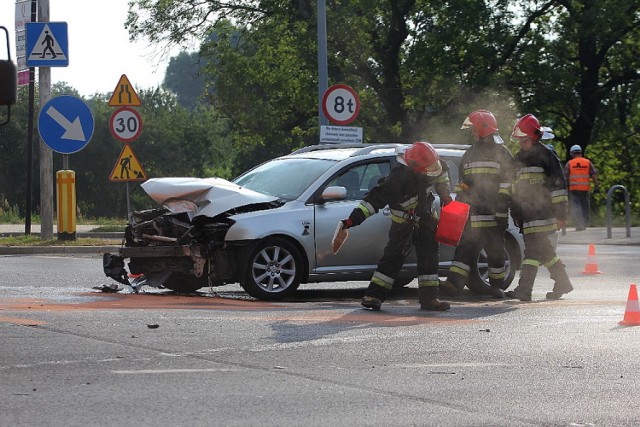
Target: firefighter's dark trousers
[
  {"x": 401, "y": 237},
  {"x": 539, "y": 251},
  {"x": 473, "y": 239}
]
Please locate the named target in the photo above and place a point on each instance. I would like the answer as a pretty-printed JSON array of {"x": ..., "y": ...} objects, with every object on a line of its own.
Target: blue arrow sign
[
  {"x": 65, "y": 124},
  {"x": 47, "y": 44}
]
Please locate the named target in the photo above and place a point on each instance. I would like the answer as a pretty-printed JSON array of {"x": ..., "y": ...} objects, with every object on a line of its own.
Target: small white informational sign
[{"x": 340, "y": 134}]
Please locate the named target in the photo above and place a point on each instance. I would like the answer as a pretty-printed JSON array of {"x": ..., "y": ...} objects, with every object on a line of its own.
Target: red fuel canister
[{"x": 453, "y": 217}]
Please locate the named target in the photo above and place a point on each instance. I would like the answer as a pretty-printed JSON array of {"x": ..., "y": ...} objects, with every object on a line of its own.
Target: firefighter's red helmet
[
  {"x": 483, "y": 121},
  {"x": 422, "y": 158},
  {"x": 527, "y": 126}
]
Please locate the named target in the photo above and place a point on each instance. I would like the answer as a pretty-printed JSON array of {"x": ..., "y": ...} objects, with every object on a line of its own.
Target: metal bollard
[
  {"x": 66, "y": 192},
  {"x": 627, "y": 209}
]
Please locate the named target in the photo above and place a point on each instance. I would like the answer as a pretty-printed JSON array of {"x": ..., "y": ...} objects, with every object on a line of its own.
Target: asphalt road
[{"x": 74, "y": 356}]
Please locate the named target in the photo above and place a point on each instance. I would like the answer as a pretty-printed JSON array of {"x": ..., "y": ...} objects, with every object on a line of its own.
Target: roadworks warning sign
[{"x": 127, "y": 167}]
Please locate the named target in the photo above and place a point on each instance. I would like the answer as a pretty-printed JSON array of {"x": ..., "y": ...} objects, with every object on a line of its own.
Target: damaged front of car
[{"x": 181, "y": 246}]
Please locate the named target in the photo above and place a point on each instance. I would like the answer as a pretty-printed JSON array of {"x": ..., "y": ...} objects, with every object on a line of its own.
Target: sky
[{"x": 99, "y": 47}]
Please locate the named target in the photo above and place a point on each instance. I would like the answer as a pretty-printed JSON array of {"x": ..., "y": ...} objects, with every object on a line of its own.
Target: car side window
[{"x": 359, "y": 179}]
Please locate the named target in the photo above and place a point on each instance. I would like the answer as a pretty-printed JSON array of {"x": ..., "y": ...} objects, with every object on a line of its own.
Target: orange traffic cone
[
  {"x": 592, "y": 263},
  {"x": 632, "y": 313}
]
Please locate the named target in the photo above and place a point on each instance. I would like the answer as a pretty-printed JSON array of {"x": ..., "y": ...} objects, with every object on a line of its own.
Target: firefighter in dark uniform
[
  {"x": 486, "y": 176},
  {"x": 539, "y": 208},
  {"x": 407, "y": 192}
]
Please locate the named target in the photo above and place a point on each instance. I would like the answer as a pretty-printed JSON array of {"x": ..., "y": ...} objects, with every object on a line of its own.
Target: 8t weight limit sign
[{"x": 341, "y": 104}]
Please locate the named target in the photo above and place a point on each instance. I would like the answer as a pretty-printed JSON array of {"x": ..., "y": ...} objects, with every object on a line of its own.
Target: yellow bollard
[{"x": 66, "y": 189}]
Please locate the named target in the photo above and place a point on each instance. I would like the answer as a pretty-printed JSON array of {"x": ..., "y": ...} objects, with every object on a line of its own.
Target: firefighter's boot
[
  {"x": 496, "y": 291},
  {"x": 428, "y": 296},
  {"x": 562, "y": 285},
  {"x": 525, "y": 284},
  {"x": 449, "y": 288},
  {"x": 371, "y": 302},
  {"x": 374, "y": 296}
]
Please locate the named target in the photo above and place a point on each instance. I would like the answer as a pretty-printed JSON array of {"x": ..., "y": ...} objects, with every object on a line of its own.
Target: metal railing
[{"x": 627, "y": 209}]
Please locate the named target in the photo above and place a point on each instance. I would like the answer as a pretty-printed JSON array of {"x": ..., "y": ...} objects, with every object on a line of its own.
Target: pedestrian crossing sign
[
  {"x": 124, "y": 95},
  {"x": 47, "y": 44},
  {"x": 127, "y": 167}
]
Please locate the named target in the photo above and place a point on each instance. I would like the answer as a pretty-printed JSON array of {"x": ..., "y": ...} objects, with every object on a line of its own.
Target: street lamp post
[{"x": 322, "y": 58}]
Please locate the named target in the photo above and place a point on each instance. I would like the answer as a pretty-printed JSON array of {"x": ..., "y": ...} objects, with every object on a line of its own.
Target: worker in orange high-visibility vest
[{"x": 579, "y": 172}]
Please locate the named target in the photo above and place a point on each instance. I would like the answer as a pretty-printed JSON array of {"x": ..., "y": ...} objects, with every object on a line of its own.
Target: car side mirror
[{"x": 333, "y": 193}]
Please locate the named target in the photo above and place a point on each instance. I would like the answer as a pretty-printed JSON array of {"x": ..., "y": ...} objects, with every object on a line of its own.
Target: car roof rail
[
  {"x": 320, "y": 147},
  {"x": 365, "y": 148},
  {"x": 369, "y": 148}
]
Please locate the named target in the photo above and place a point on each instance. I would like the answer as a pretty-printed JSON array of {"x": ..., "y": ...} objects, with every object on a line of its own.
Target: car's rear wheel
[
  {"x": 479, "y": 278},
  {"x": 273, "y": 269}
]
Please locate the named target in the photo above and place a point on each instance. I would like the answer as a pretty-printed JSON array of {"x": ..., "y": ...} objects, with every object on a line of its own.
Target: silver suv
[{"x": 270, "y": 229}]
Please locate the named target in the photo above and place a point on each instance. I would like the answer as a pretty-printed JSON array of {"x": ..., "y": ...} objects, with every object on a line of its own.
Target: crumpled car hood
[{"x": 212, "y": 196}]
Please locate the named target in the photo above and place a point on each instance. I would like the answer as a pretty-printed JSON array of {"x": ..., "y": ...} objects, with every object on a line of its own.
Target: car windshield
[{"x": 286, "y": 179}]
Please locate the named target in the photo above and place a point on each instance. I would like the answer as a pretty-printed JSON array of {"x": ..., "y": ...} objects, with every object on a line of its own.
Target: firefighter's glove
[
  {"x": 561, "y": 224},
  {"x": 445, "y": 200},
  {"x": 347, "y": 223}
]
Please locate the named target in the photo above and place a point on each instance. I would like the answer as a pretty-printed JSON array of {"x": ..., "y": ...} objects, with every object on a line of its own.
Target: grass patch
[{"x": 34, "y": 240}]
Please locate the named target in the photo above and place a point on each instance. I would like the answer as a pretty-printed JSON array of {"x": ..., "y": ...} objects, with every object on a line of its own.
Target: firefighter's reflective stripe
[
  {"x": 460, "y": 268},
  {"x": 366, "y": 208},
  {"x": 552, "y": 262},
  {"x": 539, "y": 226},
  {"x": 502, "y": 215},
  {"x": 409, "y": 203},
  {"x": 533, "y": 174},
  {"x": 382, "y": 280},
  {"x": 497, "y": 273},
  {"x": 442, "y": 179},
  {"x": 402, "y": 216},
  {"x": 531, "y": 262},
  {"x": 559, "y": 196},
  {"x": 505, "y": 188},
  {"x": 480, "y": 221},
  {"x": 579, "y": 169},
  {"x": 428, "y": 280},
  {"x": 475, "y": 168}
]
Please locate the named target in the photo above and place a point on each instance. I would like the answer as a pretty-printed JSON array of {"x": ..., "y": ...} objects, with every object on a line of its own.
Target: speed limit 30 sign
[
  {"x": 125, "y": 124},
  {"x": 341, "y": 104}
]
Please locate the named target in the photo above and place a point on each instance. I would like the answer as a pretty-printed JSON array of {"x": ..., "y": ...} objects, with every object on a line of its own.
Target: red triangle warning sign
[
  {"x": 124, "y": 94},
  {"x": 127, "y": 167}
]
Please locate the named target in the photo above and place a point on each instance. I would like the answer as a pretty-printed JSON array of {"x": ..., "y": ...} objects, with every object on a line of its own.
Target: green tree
[
  {"x": 571, "y": 68},
  {"x": 183, "y": 77}
]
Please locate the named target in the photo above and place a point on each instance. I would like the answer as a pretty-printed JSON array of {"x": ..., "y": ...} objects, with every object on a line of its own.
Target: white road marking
[{"x": 174, "y": 371}]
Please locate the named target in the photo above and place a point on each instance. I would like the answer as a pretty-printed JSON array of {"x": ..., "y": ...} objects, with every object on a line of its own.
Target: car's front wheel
[
  {"x": 273, "y": 269},
  {"x": 185, "y": 283},
  {"x": 479, "y": 278}
]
